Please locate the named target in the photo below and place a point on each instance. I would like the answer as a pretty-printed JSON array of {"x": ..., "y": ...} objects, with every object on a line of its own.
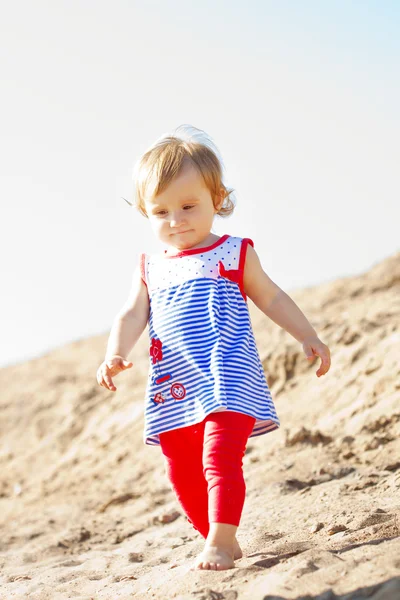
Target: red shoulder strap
[
  {"x": 243, "y": 250},
  {"x": 242, "y": 260},
  {"x": 237, "y": 275}
]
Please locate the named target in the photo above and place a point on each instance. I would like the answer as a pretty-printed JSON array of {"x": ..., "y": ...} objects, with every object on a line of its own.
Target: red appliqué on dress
[
  {"x": 159, "y": 398},
  {"x": 235, "y": 275},
  {"x": 178, "y": 391},
  {"x": 156, "y": 350}
]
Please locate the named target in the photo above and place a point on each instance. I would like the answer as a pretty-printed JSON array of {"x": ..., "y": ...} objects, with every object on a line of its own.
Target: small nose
[{"x": 176, "y": 218}]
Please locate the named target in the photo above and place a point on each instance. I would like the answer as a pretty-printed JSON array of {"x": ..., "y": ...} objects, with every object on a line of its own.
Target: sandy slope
[{"x": 87, "y": 512}]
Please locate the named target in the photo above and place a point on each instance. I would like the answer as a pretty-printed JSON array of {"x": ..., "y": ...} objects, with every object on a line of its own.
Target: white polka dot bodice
[{"x": 163, "y": 271}]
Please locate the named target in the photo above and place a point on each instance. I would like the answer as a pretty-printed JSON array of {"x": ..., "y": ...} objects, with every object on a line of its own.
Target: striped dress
[{"x": 203, "y": 355}]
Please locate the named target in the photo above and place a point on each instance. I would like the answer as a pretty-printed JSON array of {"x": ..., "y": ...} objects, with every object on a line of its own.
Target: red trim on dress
[
  {"x": 198, "y": 250},
  {"x": 237, "y": 275},
  {"x": 242, "y": 260},
  {"x": 142, "y": 262}
]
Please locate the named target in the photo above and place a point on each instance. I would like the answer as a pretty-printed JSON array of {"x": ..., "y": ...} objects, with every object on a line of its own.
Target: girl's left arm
[{"x": 279, "y": 307}]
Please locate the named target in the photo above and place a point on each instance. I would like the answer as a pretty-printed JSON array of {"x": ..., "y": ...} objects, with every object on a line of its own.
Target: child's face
[{"x": 182, "y": 216}]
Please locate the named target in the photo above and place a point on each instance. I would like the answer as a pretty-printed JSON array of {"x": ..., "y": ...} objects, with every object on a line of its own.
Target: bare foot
[
  {"x": 214, "y": 558},
  {"x": 237, "y": 551}
]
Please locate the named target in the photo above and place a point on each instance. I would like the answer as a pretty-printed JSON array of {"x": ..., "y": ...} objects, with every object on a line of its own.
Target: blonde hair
[{"x": 164, "y": 160}]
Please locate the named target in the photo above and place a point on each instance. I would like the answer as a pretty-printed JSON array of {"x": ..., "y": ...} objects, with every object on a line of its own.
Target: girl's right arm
[{"x": 127, "y": 328}]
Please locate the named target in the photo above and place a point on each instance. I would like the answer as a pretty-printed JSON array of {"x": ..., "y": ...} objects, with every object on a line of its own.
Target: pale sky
[{"x": 301, "y": 97}]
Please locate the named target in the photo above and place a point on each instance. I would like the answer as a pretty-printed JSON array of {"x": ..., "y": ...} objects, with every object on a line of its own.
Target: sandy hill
[{"x": 86, "y": 510}]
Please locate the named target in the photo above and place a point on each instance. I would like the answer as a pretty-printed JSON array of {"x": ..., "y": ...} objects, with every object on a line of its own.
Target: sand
[{"x": 87, "y": 512}]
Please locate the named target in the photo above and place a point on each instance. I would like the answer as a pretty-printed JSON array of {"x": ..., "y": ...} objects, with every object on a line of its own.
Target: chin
[{"x": 181, "y": 238}]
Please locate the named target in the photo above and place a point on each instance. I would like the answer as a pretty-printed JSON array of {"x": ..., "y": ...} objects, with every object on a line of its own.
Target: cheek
[{"x": 156, "y": 224}]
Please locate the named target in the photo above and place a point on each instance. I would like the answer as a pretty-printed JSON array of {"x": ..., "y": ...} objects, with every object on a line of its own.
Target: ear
[{"x": 219, "y": 200}]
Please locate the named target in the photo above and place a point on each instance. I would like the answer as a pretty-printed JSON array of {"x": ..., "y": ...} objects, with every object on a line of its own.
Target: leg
[
  {"x": 183, "y": 454},
  {"x": 225, "y": 438}
]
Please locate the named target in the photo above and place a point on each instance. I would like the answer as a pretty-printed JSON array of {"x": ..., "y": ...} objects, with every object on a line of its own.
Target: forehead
[{"x": 188, "y": 185}]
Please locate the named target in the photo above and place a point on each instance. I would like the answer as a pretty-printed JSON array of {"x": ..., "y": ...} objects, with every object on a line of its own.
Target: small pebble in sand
[{"x": 135, "y": 557}]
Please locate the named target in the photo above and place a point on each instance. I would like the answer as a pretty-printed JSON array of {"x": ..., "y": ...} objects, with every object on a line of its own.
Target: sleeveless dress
[{"x": 203, "y": 355}]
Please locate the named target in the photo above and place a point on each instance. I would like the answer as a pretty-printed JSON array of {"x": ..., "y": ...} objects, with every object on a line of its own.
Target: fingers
[
  {"x": 109, "y": 382},
  {"x": 321, "y": 372},
  {"x": 104, "y": 378},
  {"x": 325, "y": 364},
  {"x": 321, "y": 350},
  {"x": 111, "y": 368}
]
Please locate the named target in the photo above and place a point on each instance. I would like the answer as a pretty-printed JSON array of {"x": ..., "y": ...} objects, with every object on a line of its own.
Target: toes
[{"x": 208, "y": 565}]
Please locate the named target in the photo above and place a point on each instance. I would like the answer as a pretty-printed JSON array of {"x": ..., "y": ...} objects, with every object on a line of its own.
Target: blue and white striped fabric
[{"x": 203, "y": 355}]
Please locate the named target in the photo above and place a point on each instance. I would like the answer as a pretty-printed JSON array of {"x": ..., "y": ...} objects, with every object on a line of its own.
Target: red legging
[{"x": 204, "y": 465}]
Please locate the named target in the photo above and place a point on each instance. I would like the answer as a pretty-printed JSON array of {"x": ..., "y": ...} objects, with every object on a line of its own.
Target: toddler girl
[{"x": 206, "y": 391}]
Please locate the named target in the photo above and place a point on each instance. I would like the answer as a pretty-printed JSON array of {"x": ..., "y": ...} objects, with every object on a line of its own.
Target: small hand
[
  {"x": 313, "y": 347},
  {"x": 109, "y": 368}
]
